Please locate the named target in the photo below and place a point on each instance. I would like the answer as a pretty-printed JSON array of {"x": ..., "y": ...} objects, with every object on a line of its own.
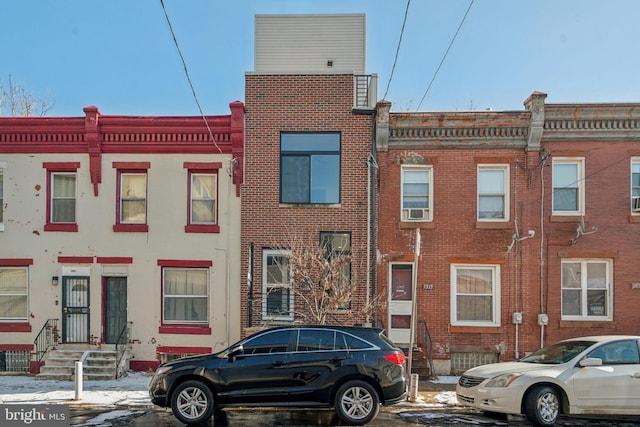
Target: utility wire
[
  {"x": 186, "y": 72},
  {"x": 445, "y": 54},
  {"x": 406, "y": 11}
]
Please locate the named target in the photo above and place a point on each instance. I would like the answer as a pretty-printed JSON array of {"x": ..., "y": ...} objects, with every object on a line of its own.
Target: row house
[
  {"x": 308, "y": 160},
  {"x": 508, "y": 230},
  {"x": 118, "y": 230}
]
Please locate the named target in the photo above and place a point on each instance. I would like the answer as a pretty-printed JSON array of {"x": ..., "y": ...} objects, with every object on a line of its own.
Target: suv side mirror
[{"x": 234, "y": 352}]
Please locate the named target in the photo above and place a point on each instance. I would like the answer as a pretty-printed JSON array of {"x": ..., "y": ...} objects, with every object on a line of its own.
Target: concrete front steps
[{"x": 96, "y": 365}]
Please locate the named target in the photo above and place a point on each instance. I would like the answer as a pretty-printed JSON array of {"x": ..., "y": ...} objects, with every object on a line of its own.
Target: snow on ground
[{"x": 132, "y": 391}]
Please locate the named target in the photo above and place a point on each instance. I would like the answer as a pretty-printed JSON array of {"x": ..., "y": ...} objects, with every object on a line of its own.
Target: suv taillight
[{"x": 397, "y": 358}]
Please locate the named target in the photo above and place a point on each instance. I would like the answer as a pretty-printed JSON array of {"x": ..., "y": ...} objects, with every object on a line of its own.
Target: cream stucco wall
[{"x": 25, "y": 198}]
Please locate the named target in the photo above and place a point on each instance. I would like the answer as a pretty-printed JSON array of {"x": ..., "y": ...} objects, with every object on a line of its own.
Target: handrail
[
  {"x": 427, "y": 345},
  {"x": 47, "y": 337},
  {"x": 123, "y": 339}
]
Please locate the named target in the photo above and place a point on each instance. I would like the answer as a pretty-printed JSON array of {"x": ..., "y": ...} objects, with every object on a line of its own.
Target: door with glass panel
[{"x": 400, "y": 302}]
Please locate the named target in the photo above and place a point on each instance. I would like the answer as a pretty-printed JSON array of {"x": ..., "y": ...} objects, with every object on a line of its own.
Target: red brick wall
[{"x": 277, "y": 103}]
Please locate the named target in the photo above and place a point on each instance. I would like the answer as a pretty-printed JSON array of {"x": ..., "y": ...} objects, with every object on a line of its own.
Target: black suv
[{"x": 354, "y": 369}]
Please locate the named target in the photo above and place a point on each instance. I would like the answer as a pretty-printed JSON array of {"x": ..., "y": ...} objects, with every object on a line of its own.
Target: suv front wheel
[
  {"x": 357, "y": 403},
  {"x": 192, "y": 402}
]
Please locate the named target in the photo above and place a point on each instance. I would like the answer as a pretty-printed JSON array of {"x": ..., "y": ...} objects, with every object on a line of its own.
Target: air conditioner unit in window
[
  {"x": 414, "y": 214},
  {"x": 635, "y": 202}
]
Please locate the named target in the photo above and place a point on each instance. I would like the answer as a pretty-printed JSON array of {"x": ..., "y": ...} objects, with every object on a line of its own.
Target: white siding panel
[{"x": 304, "y": 43}]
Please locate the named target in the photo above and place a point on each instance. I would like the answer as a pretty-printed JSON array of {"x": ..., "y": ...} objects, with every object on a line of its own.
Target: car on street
[
  {"x": 588, "y": 375},
  {"x": 350, "y": 368}
]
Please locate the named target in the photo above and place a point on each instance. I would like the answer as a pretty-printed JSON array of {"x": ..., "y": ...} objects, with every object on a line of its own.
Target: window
[
  {"x": 586, "y": 290},
  {"x": 476, "y": 295},
  {"x": 132, "y": 196},
  {"x": 635, "y": 186},
  {"x": 493, "y": 191},
  {"x": 61, "y": 196},
  {"x": 203, "y": 197},
  {"x": 568, "y": 186},
  {"x": 316, "y": 340},
  {"x": 416, "y": 193},
  {"x": 618, "y": 353},
  {"x": 269, "y": 342},
  {"x": 1, "y": 199},
  {"x": 277, "y": 297},
  {"x": 310, "y": 168},
  {"x": 185, "y": 295},
  {"x": 13, "y": 294},
  {"x": 337, "y": 247}
]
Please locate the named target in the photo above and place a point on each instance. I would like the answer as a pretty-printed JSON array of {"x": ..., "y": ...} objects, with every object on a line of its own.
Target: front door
[
  {"x": 75, "y": 309},
  {"x": 400, "y": 302},
  {"x": 115, "y": 292}
]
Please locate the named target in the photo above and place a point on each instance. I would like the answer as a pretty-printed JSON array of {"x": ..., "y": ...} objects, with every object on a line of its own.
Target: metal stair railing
[
  {"x": 49, "y": 336},
  {"x": 122, "y": 344}
]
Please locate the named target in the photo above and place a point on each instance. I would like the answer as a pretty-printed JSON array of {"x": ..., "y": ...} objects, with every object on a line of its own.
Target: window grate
[{"x": 15, "y": 361}]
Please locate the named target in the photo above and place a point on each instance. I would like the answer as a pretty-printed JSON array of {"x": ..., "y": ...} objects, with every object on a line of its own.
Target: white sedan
[{"x": 589, "y": 375}]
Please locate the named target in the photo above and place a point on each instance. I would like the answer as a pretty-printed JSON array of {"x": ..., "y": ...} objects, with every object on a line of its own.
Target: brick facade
[{"x": 300, "y": 103}]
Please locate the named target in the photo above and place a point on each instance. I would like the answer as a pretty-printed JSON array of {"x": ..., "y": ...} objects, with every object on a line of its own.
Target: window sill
[
  {"x": 131, "y": 228},
  {"x": 310, "y": 205},
  {"x": 184, "y": 330},
  {"x": 202, "y": 228},
  {"x": 566, "y": 218},
  {"x": 73, "y": 228},
  {"x": 633, "y": 219},
  {"x": 588, "y": 324},
  {"x": 493, "y": 225},
  {"x": 408, "y": 225},
  {"x": 476, "y": 329},
  {"x": 15, "y": 327}
]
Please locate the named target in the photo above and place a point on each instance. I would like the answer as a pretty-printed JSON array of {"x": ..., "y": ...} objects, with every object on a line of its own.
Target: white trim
[
  {"x": 584, "y": 289},
  {"x": 495, "y": 294},
  {"x": 506, "y": 194},
  {"x": 427, "y": 213},
  {"x": 580, "y": 184},
  {"x": 266, "y": 286}
]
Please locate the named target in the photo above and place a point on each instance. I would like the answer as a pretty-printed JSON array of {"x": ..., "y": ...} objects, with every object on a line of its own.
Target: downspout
[{"x": 250, "y": 283}]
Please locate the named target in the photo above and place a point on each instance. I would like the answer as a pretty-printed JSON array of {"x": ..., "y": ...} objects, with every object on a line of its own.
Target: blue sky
[{"x": 119, "y": 54}]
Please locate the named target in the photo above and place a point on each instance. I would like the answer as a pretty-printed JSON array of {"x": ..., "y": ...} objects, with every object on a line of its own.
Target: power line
[
  {"x": 445, "y": 54},
  {"x": 406, "y": 11},
  {"x": 186, "y": 72}
]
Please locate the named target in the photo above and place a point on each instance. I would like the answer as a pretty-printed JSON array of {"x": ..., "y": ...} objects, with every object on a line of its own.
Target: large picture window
[
  {"x": 475, "y": 295},
  {"x": 310, "y": 168},
  {"x": 185, "y": 295},
  {"x": 277, "y": 292},
  {"x": 13, "y": 294},
  {"x": 416, "y": 193},
  {"x": 586, "y": 290},
  {"x": 568, "y": 186},
  {"x": 493, "y": 191}
]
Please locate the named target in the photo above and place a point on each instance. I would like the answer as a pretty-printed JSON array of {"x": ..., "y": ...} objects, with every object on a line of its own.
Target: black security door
[
  {"x": 115, "y": 308},
  {"x": 75, "y": 309}
]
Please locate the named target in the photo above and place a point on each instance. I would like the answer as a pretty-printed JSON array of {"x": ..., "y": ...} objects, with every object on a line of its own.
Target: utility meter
[
  {"x": 517, "y": 317},
  {"x": 543, "y": 319}
]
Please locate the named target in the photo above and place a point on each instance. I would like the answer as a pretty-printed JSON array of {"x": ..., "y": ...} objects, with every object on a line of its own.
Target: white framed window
[
  {"x": 14, "y": 294},
  {"x": 133, "y": 198},
  {"x": 203, "y": 198},
  {"x": 635, "y": 186},
  {"x": 417, "y": 191},
  {"x": 493, "y": 192},
  {"x": 277, "y": 290},
  {"x": 587, "y": 289},
  {"x": 475, "y": 295},
  {"x": 63, "y": 198},
  {"x": 2, "y": 166},
  {"x": 185, "y": 295},
  {"x": 568, "y": 186}
]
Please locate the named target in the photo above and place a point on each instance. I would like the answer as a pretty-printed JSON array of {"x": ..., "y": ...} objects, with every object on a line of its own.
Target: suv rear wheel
[
  {"x": 357, "y": 403},
  {"x": 192, "y": 402}
]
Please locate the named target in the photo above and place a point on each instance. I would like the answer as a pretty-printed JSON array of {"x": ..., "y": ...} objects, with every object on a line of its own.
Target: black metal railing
[
  {"x": 122, "y": 345},
  {"x": 427, "y": 345},
  {"x": 49, "y": 336},
  {"x": 365, "y": 91}
]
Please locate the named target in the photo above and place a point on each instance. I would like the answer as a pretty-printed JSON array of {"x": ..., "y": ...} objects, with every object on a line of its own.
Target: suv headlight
[{"x": 503, "y": 380}]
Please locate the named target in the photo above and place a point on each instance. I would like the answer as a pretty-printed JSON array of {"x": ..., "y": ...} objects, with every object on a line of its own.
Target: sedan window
[
  {"x": 558, "y": 353},
  {"x": 616, "y": 353}
]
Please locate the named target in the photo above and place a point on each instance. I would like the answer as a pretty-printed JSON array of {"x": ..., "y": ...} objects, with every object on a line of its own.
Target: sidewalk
[{"x": 132, "y": 391}]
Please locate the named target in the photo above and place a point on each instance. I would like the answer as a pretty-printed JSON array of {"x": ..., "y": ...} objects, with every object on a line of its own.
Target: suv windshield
[{"x": 558, "y": 353}]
